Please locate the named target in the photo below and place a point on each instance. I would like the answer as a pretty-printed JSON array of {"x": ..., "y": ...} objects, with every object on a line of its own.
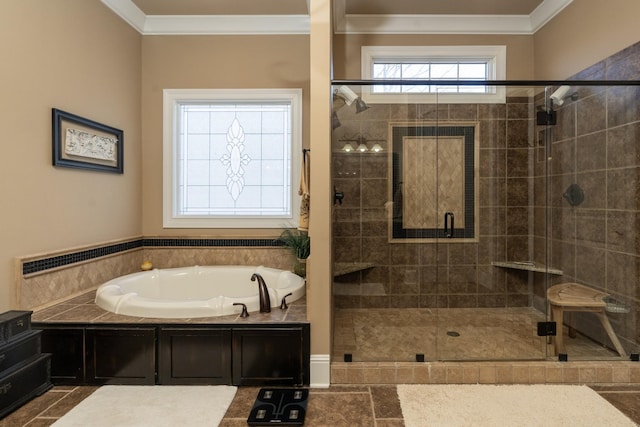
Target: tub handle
[
  {"x": 283, "y": 304},
  {"x": 244, "y": 313}
]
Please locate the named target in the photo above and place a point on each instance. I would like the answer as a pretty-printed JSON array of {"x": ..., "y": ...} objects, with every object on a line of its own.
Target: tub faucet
[{"x": 265, "y": 301}]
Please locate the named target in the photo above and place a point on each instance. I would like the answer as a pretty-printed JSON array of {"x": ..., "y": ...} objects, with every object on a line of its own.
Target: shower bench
[{"x": 574, "y": 297}]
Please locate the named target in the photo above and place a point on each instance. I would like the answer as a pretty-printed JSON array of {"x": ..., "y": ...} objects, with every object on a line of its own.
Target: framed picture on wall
[{"x": 84, "y": 144}]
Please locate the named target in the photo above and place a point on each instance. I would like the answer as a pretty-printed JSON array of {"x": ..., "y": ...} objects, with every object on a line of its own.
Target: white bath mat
[
  {"x": 507, "y": 405},
  {"x": 153, "y": 406}
]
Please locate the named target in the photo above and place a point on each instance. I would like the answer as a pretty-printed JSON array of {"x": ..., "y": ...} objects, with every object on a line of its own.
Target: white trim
[
  {"x": 320, "y": 371},
  {"x": 446, "y": 24},
  {"x": 226, "y": 24},
  {"x": 343, "y": 23},
  {"x": 129, "y": 12},
  {"x": 497, "y": 54},
  {"x": 171, "y": 100},
  {"x": 436, "y": 24},
  {"x": 207, "y": 24},
  {"x": 545, "y": 12}
]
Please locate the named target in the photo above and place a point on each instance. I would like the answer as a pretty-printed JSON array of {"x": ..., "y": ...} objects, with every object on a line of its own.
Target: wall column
[{"x": 320, "y": 263}]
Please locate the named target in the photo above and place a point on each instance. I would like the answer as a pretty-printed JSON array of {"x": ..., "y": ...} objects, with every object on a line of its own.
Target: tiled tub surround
[
  {"x": 55, "y": 277},
  {"x": 82, "y": 309},
  {"x": 92, "y": 346}
]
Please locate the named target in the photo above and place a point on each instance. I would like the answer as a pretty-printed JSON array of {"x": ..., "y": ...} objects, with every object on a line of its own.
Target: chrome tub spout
[{"x": 265, "y": 301}]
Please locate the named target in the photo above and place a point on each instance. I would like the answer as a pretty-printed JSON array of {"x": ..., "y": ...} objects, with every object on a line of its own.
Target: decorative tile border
[
  {"x": 43, "y": 264},
  {"x": 169, "y": 242},
  {"x": 47, "y": 263}
]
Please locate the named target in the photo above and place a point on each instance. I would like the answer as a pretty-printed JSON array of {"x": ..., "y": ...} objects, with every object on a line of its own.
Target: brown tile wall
[
  {"x": 423, "y": 274},
  {"x": 596, "y": 145}
]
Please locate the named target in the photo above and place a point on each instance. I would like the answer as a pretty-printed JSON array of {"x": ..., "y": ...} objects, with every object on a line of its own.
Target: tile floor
[
  {"x": 338, "y": 406},
  {"x": 366, "y": 333},
  {"x": 389, "y": 335}
]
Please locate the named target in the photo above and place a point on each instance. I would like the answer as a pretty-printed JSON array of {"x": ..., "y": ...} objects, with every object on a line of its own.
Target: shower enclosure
[{"x": 459, "y": 205}]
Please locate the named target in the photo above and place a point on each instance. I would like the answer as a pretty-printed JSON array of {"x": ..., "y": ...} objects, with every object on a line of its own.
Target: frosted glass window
[
  {"x": 433, "y": 63},
  {"x": 234, "y": 158},
  {"x": 408, "y": 70}
]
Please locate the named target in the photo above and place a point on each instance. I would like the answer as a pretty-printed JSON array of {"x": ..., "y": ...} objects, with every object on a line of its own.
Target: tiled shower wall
[
  {"x": 596, "y": 144},
  {"x": 423, "y": 274}
]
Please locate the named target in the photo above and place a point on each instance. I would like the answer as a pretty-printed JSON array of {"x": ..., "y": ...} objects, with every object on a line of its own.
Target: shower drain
[{"x": 453, "y": 334}]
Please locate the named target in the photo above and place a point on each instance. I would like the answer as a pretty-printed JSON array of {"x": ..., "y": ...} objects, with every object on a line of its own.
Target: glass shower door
[
  {"x": 593, "y": 210},
  {"x": 491, "y": 248}
]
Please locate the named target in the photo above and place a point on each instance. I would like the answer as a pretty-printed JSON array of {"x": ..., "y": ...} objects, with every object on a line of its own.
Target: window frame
[
  {"x": 172, "y": 99},
  {"x": 494, "y": 55}
]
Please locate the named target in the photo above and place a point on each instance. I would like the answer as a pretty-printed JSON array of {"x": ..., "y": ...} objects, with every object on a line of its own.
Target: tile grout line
[{"x": 39, "y": 415}]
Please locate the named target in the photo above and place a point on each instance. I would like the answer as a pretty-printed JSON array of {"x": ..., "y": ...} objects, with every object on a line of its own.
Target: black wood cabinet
[
  {"x": 269, "y": 356},
  {"x": 177, "y": 354},
  {"x": 120, "y": 355},
  {"x": 66, "y": 346},
  {"x": 194, "y": 356}
]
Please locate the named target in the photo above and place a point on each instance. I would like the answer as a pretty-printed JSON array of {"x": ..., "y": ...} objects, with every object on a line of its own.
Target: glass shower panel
[
  {"x": 493, "y": 263},
  {"x": 439, "y": 227},
  {"x": 454, "y": 221},
  {"x": 382, "y": 303},
  {"x": 594, "y": 166}
]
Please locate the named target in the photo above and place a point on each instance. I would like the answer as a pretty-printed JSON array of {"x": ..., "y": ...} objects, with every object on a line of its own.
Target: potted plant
[{"x": 299, "y": 243}]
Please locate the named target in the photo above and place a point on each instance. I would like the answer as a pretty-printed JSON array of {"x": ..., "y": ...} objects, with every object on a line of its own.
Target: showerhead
[
  {"x": 347, "y": 94},
  {"x": 349, "y": 97},
  {"x": 558, "y": 97},
  {"x": 360, "y": 105}
]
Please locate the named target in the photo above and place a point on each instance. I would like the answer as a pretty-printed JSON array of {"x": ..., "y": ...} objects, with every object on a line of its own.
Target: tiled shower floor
[{"x": 397, "y": 335}]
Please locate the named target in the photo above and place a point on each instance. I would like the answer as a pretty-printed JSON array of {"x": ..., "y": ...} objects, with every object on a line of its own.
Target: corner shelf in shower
[
  {"x": 342, "y": 268},
  {"x": 527, "y": 266}
]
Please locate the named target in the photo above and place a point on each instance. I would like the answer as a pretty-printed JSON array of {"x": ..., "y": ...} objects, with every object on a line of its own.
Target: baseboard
[{"x": 320, "y": 371}]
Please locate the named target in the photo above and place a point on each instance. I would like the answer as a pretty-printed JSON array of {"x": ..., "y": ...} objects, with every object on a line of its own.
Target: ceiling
[{"x": 350, "y": 16}]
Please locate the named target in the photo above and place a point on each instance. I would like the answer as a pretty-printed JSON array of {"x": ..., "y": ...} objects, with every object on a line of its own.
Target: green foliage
[{"x": 298, "y": 241}]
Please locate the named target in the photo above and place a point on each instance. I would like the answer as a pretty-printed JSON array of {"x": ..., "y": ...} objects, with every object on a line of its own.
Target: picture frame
[{"x": 81, "y": 143}]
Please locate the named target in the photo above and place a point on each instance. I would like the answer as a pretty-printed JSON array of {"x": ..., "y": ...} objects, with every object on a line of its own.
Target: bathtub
[{"x": 198, "y": 291}]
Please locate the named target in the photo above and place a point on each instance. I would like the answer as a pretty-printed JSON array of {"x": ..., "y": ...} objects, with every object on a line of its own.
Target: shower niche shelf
[
  {"x": 527, "y": 266},
  {"x": 342, "y": 268}
]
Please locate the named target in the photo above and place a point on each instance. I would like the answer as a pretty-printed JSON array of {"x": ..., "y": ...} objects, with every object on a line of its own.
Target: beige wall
[
  {"x": 585, "y": 32},
  {"x": 75, "y": 55},
  {"x": 320, "y": 277},
  {"x": 204, "y": 62},
  {"x": 346, "y": 50}
]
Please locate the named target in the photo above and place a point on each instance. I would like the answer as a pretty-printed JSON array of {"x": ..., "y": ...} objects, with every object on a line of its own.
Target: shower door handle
[
  {"x": 337, "y": 195},
  {"x": 448, "y": 225}
]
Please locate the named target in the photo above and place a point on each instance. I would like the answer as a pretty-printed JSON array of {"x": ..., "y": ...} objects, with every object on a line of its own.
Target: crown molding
[
  {"x": 226, "y": 24},
  {"x": 207, "y": 24},
  {"x": 435, "y": 24},
  {"x": 546, "y": 11},
  {"x": 129, "y": 12},
  {"x": 343, "y": 23},
  {"x": 446, "y": 24}
]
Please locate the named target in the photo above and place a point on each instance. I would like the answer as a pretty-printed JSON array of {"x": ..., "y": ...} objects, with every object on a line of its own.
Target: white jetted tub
[{"x": 198, "y": 291}]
